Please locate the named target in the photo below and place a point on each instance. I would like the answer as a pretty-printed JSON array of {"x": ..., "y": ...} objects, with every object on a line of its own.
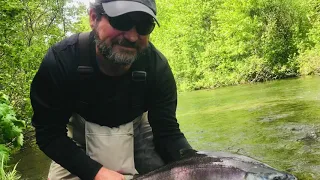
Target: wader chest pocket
[{"x": 112, "y": 147}]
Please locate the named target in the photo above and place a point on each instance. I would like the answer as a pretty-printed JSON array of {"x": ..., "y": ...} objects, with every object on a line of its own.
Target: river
[{"x": 276, "y": 122}]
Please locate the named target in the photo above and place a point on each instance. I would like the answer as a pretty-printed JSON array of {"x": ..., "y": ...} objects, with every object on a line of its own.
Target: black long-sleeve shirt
[{"x": 54, "y": 92}]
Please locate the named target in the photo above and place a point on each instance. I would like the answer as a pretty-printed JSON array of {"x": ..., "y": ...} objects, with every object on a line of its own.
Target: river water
[{"x": 275, "y": 122}]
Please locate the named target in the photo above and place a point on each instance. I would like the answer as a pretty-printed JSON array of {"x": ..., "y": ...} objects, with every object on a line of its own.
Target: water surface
[{"x": 275, "y": 122}]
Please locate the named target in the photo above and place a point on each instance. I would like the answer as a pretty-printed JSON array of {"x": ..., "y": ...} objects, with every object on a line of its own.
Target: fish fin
[{"x": 186, "y": 153}]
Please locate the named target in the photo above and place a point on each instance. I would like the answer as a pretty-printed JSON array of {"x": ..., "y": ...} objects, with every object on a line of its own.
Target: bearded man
[{"x": 105, "y": 101}]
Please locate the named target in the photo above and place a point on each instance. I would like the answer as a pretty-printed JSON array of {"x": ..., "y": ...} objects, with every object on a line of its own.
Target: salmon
[{"x": 216, "y": 166}]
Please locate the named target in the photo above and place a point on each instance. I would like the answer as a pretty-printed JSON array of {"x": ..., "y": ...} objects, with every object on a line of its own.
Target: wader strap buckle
[{"x": 139, "y": 76}]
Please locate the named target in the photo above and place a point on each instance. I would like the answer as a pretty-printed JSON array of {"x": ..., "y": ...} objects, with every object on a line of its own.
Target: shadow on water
[{"x": 276, "y": 122}]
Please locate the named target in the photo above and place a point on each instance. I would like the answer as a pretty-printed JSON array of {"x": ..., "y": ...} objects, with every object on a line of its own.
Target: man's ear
[{"x": 92, "y": 18}]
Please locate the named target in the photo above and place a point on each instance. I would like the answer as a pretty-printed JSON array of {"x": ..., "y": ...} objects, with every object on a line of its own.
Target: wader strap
[
  {"x": 139, "y": 83},
  {"x": 85, "y": 66},
  {"x": 84, "y": 88},
  {"x": 85, "y": 71},
  {"x": 138, "y": 90}
]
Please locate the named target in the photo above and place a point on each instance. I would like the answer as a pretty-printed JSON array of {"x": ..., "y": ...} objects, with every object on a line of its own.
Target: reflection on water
[{"x": 275, "y": 122}]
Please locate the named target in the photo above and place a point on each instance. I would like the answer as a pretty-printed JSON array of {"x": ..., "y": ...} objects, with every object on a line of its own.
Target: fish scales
[{"x": 216, "y": 166}]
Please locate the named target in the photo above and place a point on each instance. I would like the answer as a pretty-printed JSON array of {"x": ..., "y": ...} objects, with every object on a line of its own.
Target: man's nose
[{"x": 131, "y": 35}]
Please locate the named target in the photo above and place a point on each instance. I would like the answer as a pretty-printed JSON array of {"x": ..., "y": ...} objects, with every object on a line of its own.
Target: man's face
[{"x": 120, "y": 47}]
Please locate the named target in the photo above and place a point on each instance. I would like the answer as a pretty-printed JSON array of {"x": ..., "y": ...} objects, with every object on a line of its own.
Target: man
[{"x": 101, "y": 85}]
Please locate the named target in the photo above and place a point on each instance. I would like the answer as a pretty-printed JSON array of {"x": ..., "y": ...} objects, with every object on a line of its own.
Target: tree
[{"x": 28, "y": 29}]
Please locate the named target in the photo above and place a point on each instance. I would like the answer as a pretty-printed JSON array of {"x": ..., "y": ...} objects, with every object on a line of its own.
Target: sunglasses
[{"x": 125, "y": 22}]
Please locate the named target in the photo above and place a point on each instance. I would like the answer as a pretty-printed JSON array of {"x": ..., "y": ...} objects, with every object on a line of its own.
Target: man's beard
[{"x": 121, "y": 57}]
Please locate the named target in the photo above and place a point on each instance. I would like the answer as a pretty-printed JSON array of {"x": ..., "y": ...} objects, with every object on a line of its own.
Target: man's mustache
[{"x": 125, "y": 43}]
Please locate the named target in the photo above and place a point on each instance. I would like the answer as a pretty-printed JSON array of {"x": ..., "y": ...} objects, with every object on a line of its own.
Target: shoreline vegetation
[
  {"x": 11, "y": 139},
  {"x": 208, "y": 43},
  {"x": 6, "y": 174}
]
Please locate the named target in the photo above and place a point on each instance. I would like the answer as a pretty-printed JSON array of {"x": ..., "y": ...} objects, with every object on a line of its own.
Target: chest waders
[{"x": 128, "y": 148}]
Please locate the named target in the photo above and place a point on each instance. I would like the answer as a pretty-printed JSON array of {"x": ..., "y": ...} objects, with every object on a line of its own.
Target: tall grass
[{"x": 6, "y": 174}]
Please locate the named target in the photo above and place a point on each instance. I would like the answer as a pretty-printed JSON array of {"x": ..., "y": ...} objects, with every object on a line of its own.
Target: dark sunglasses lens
[
  {"x": 122, "y": 23},
  {"x": 145, "y": 28},
  {"x": 125, "y": 23}
]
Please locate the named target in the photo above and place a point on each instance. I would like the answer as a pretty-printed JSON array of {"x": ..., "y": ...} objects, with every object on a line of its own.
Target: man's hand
[{"x": 107, "y": 174}]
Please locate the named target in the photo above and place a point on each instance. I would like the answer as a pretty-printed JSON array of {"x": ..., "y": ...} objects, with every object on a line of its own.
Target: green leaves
[
  {"x": 4, "y": 99},
  {"x": 28, "y": 29},
  {"x": 10, "y": 136},
  {"x": 212, "y": 43},
  {"x": 10, "y": 127}
]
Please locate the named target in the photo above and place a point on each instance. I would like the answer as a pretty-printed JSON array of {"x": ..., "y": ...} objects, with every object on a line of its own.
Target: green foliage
[
  {"x": 81, "y": 22},
  {"x": 10, "y": 127},
  {"x": 216, "y": 43},
  {"x": 4, "y": 153},
  {"x": 28, "y": 29},
  {"x": 11, "y": 136},
  {"x": 263, "y": 31},
  {"x": 185, "y": 24},
  {"x": 309, "y": 58},
  {"x": 309, "y": 61}
]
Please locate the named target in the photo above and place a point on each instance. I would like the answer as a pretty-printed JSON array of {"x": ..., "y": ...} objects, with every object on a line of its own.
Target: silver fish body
[{"x": 216, "y": 166}]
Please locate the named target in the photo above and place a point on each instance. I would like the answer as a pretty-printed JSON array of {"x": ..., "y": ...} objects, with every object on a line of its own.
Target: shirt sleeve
[
  {"x": 51, "y": 106},
  {"x": 168, "y": 139}
]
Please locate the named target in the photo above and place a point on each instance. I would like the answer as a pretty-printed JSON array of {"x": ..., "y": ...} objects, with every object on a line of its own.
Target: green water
[
  {"x": 276, "y": 122},
  {"x": 33, "y": 164}
]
